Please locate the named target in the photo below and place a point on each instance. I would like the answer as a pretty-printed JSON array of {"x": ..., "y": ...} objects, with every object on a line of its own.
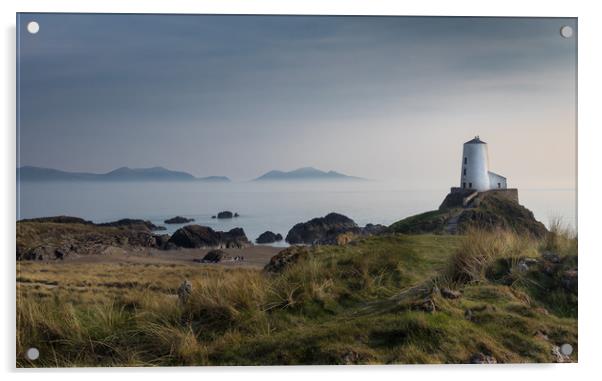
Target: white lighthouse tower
[{"x": 475, "y": 168}]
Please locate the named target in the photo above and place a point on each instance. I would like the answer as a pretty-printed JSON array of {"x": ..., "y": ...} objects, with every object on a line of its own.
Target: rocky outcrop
[
  {"x": 332, "y": 229},
  {"x": 374, "y": 229},
  {"x": 197, "y": 236},
  {"x": 59, "y": 220},
  {"x": 286, "y": 258},
  {"x": 321, "y": 229},
  {"x": 47, "y": 239},
  {"x": 136, "y": 224},
  {"x": 487, "y": 210},
  {"x": 225, "y": 214},
  {"x": 178, "y": 220},
  {"x": 269, "y": 237},
  {"x": 496, "y": 211},
  {"x": 125, "y": 223}
]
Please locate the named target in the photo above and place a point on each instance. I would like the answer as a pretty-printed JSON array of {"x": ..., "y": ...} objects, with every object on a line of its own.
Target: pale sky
[{"x": 376, "y": 97}]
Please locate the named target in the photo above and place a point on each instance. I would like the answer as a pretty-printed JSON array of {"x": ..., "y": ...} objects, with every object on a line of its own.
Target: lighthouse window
[
  {"x": 499, "y": 185},
  {"x": 464, "y": 185},
  {"x": 464, "y": 171},
  {"x": 470, "y": 185},
  {"x": 465, "y": 160}
]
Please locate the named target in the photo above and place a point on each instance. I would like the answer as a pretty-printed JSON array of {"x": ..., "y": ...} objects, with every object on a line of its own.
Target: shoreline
[{"x": 256, "y": 256}]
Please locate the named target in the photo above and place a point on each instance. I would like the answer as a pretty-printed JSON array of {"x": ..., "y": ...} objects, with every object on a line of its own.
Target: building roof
[
  {"x": 476, "y": 140},
  {"x": 493, "y": 173}
]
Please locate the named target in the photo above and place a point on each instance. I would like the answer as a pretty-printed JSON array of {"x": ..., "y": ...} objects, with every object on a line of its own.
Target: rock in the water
[
  {"x": 286, "y": 258},
  {"x": 197, "y": 236},
  {"x": 269, "y": 237},
  {"x": 178, "y": 220},
  {"x": 321, "y": 229},
  {"x": 215, "y": 256},
  {"x": 236, "y": 215},
  {"x": 480, "y": 358},
  {"x": 225, "y": 214}
]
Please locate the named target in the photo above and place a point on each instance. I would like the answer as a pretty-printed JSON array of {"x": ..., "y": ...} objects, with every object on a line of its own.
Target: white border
[{"x": 590, "y": 212}]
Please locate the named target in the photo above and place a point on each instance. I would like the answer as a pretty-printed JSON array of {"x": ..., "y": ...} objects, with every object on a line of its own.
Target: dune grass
[{"x": 314, "y": 312}]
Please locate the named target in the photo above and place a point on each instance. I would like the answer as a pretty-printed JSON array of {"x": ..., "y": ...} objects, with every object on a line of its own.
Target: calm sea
[{"x": 262, "y": 206}]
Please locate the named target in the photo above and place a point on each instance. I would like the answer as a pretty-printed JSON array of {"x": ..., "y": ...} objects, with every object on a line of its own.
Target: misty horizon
[{"x": 373, "y": 97}]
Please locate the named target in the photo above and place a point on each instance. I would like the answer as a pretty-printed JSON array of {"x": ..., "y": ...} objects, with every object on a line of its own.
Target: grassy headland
[{"x": 384, "y": 299}]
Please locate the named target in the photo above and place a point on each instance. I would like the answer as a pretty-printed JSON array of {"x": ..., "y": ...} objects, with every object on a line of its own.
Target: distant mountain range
[
  {"x": 30, "y": 173},
  {"x": 305, "y": 173}
]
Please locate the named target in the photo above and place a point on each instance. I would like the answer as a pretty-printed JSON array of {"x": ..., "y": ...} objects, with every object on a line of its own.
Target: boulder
[
  {"x": 178, "y": 220},
  {"x": 161, "y": 241},
  {"x": 269, "y": 237},
  {"x": 225, "y": 214},
  {"x": 286, "y": 258},
  {"x": 197, "y": 236},
  {"x": 320, "y": 230},
  {"x": 236, "y": 215},
  {"x": 215, "y": 256}
]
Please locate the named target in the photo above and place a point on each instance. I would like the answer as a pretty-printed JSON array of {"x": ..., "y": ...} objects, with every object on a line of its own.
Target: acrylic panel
[{"x": 295, "y": 190}]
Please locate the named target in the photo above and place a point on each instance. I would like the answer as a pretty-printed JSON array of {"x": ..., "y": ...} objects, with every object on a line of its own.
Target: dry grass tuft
[
  {"x": 561, "y": 238},
  {"x": 481, "y": 248}
]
